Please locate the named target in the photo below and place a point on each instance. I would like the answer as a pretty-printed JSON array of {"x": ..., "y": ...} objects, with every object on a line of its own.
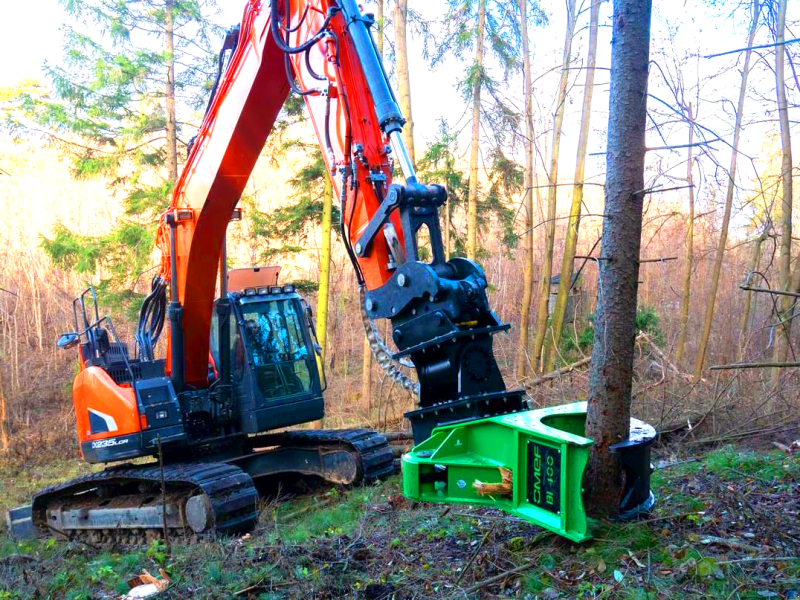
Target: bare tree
[
  {"x": 474, "y": 155},
  {"x": 527, "y": 293},
  {"x": 726, "y": 219},
  {"x": 608, "y": 418},
  {"x": 787, "y": 303},
  {"x": 403, "y": 79},
  {"x": 571, "y": 241},
  {"x": 552, "y": 193},
  {"x": 689, "y": 265}
]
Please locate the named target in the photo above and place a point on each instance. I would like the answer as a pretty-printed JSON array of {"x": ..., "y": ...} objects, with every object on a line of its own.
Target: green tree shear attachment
[{"x": 546, "y": 453}]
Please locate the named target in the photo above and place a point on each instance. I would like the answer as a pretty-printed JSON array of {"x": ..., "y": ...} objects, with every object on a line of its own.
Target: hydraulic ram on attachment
[{"x": 542, "y": 452}]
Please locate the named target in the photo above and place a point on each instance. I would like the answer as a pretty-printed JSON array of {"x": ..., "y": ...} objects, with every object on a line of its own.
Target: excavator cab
[
  {"x": 265, "y": 373},
  {"x": 275, "y": 369}
]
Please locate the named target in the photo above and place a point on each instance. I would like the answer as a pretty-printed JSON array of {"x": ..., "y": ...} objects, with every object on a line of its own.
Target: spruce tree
[{"x": 132, "y": 75}]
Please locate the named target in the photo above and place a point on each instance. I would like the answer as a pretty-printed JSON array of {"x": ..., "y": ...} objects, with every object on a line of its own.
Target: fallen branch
[
  {"x": 494, "y": 579},
  {"x": 516, "y": 570},
  {"x": 733, "y": 544},
  {"x": 475, "y": 554},
  {"x": 661, "y": 356},
  {"x": 557, "y": 373},
  {"x": 741, "y": 435}
]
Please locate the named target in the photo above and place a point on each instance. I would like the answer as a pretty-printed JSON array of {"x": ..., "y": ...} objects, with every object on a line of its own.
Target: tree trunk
[
  {"x": 571, "y": 241},
  {"x": 723, "y": 234},
  {"x": 687, "y": 271},
  {"x": 786, "y": 303},
  {"x": 3, "y": 431},
  {"x": 324, "y": 274},
  {"x": 552, "y": 194},
  {"x": 527, "y": 285},
  {"x": 172, "y": 133},
  {"x": 403, "y": 79},
  {"x": 744, "y": 320},
  {"x": 608, "y": 417},
  {"x": 366, "y": 375},
  {"x": 380, "y": 27},
  {"x": 472, "y": 202}
]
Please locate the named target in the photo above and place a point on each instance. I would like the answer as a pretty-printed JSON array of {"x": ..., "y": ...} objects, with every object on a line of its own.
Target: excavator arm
[{"x": 323, "y": 50}]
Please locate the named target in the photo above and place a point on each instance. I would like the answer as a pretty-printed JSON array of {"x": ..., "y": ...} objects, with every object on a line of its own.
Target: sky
[{"x": 696, "y": 28}]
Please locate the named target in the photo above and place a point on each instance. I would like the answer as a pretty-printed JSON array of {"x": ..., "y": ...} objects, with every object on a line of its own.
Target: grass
[
  {"x": 18, "y": 482},
  {"x": 370, "y": 543}
]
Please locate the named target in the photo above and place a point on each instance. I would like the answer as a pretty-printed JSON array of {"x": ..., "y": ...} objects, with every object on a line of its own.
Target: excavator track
[
  {"x": 125, "y": 503},
  {"x": 375, "y": 459}
]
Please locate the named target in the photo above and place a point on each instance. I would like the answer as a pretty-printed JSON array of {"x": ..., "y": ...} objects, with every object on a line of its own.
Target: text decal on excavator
[{"x": 544, "y": 477}]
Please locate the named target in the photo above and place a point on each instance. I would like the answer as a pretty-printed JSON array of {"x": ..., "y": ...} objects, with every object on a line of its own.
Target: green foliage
[
  {"x": 647, "y": 321},
  {"x": 106, "y": 110},
  {"x": 440, "y": 164},
  {"x": 284, "y": 231}
]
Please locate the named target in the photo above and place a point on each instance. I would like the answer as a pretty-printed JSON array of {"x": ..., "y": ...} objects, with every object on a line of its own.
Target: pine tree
[
  {"x": 481, "y": 26},
  {"x": 440, "y": 163},
  {"x": 115, "y": 107}
]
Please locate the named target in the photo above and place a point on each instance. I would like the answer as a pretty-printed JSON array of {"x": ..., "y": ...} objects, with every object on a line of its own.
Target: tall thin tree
[
  {"x": 552, "y": 193},
  {"x": 527, "y": 293},
  {"x": 474, "y": 152},
  {"x": 571, "y": 240},
  {"x": 610, "y": 383},
  {"x": 403, "y": 76},
  {"x": 787, "y": 303},
  {"x": 683, "y": 323},
  {"x": 726, "y": 218}
]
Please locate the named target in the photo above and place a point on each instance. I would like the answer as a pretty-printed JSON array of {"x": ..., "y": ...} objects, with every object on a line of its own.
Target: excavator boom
[{"x": 323, "y": 50}]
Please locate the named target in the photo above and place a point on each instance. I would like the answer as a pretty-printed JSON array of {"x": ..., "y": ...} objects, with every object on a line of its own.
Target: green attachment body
[{"x": 544, "y": 449}]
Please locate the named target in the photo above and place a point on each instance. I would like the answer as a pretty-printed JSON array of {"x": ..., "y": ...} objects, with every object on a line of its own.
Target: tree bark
[
  {"x": 527, "y": 285},
  {"x": 786, "y": 303},
  {"x": 552, "y": 195},
  {"x": 403, "y": 79},
  {"x": 608, "y": 417},
  {"x": 366, "y": 375},
  {"x": 472, "y": 202},
  {"x": 571, "y": 241},
  {"x": 723, "y": 234},
  {"x": 3, "y": 431},
  {"x": 380, "y": 27},
  {"x": 687, "y": 271},
  {"x": 172, "y": 132},
  {"x": 324, "y": 273},
  {"x": 744, "y": 320}
]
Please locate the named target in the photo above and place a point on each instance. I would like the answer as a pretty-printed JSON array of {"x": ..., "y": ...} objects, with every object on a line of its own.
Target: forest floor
[{"x": 727, "y": 525}]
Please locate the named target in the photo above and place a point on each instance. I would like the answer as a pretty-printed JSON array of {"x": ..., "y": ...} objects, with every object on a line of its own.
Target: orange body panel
[
  {"x": 253, "y": 277},
  {"x": 242, "y": 113},
  {"x": 94, "y": 389}
]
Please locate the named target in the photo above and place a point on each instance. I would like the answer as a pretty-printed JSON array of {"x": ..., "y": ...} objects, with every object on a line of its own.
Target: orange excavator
[{"x": 242, "y": 360}]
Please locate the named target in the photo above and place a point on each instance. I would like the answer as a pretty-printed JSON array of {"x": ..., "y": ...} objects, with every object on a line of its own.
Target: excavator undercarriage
[{"x": 133, "y": 504}]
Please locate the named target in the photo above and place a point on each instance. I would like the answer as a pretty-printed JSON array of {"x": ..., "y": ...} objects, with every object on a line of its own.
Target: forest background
[{"x": 60, "y": 212}]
